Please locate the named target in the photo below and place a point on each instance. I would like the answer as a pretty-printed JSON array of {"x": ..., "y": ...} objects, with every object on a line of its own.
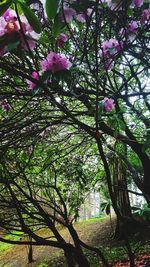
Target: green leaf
[
  {"x": 146, "y": 145},
  {"x": 130, "y": 12},
  {"x": 3, "y": 41},
  {"x": 44, "y": 39},
  {"x": 31, "y": 17},
  {"x": 100, "y": 107},
  {"x": 51, "y": 7},
  {"x": 4, "y": 7},
  {"x": 58, "y": 26},
  {"x": 37, "y": 91}
]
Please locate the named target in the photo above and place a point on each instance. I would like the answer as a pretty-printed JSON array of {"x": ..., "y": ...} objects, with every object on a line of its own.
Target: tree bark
[
  {"x": 30, "y": 253},
  {"x": 69, "y": 257}
]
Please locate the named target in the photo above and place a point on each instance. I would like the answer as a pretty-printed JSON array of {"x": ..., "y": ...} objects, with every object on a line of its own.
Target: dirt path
[{"x": 91, "y": 232}]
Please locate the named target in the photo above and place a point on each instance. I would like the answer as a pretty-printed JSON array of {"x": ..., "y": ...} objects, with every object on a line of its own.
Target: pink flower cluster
[
  {"x": 55, "y": 62},
  {"x": 5, "y": 105},
  {"x": 130, "y": 31},
  {"x": 132, "y": 27},
  {"x": 145, "y": 17},
  {"x": 110, "y": 49},
  {"x": 9, "y": 25},
  {"x": 108, "y": 104},
  {"x": 84, "y": 16},
  {"x": 31, "y": 84},
  {"x": 113, "y": 4},
  {"x": 116, "y": 4},
  {"x": 70, "y": 13},
  {"x": 137, "y": 3},
  {"x": 63, "y": 38}
]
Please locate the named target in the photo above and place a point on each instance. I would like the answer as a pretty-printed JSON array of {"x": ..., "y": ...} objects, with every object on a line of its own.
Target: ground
[{"x": 95, "y": 232}]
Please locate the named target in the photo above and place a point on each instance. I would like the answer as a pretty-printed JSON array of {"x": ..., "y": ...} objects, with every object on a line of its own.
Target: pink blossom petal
[
  {"x": 55, "y": 62},
  {"x": 108, "y": 104}
]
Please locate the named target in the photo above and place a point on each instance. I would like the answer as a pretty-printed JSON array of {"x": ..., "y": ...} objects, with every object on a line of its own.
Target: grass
[
  {"x": 90, "y": 221},
  {"x": 44, "y": 264},
  {"x": 4, "y": 246},
  {"x": 14, "y": 236}
]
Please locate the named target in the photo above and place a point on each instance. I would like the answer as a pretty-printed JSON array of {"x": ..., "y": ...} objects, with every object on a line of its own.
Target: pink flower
[
  {"x": 83, "y": 16},
  {"x": 5, "y": 105},
  {"x": 113, "y": 4},
  {"x": 3, "y": 24},
  {"x": 10, "y": 15},
  {"x": 31, "y": 84},
  {"x": 25, "y": 25},
  {"x": 68, "y": 13},
  {"x": 31, "y": 43},
  {"x": 2, "y": 51},
  {"x": 130, "y": 31},
  {"x": 28, "y": 30},
  {"x": 55, "y": 62},
  {"x": 111, "y": 47},
  {"x": 132, "y": 27},
  {"x": 11, "y": 27},
  {"x": 138, "y": 3},
  {"x": 145, "y": 17},
  {"x": 63, "y": 38},
  {"x": 9, "y": 24},
  {"x": 108, "y": 104},
  {"x": 31, "y": 36}
]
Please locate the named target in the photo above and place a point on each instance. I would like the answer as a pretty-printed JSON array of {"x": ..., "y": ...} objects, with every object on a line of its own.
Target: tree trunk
[
  {"x": 120, "y": 189},
  {"x": 130, "y": 253},
  {"x": 78, "y": 253},
  {"x": 30, "y": 253},
  {"x": 81, "y": 259},
  {"x": 75, "y": 255},
  {"x": 69, "y": 257}
]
